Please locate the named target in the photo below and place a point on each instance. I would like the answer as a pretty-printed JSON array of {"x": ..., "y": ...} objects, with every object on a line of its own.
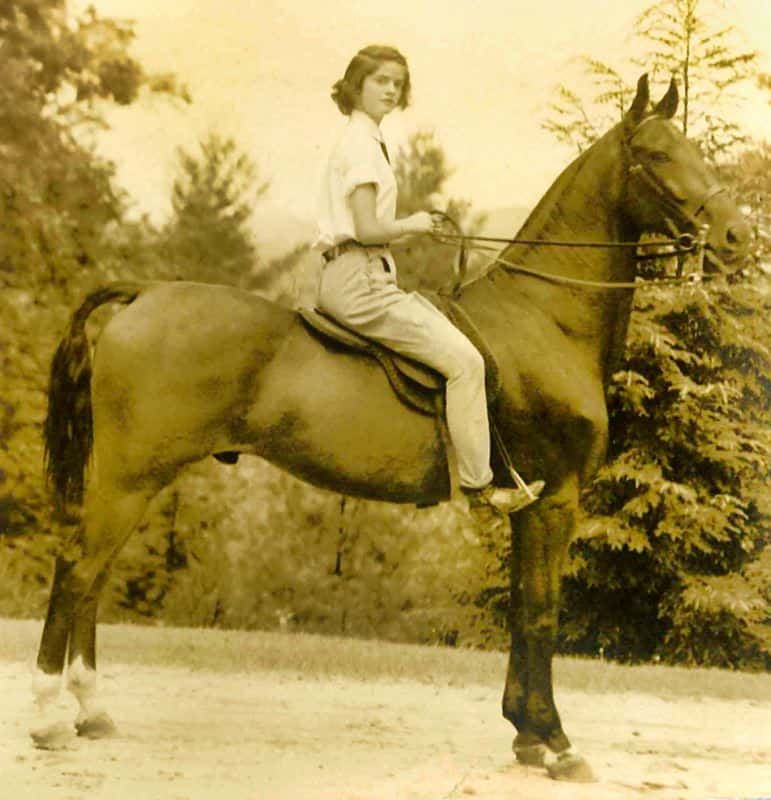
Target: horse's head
[{"x": 671, "y": 189}]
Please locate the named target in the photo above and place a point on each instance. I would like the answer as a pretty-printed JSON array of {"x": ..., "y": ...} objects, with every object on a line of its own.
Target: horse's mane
[
  {"x": 545, "y": 209},
  {"x": 540, "y": 215}
]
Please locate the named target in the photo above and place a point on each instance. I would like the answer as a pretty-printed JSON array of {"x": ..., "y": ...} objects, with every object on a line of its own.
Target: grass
[{"x": 321, "y": 657}]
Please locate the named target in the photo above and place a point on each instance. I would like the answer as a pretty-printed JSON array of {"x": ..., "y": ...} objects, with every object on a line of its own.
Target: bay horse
[{"x": 188, "y": 370}]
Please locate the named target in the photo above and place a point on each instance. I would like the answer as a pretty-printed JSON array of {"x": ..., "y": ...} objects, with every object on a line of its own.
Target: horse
[{"x": 184, "y": 371}]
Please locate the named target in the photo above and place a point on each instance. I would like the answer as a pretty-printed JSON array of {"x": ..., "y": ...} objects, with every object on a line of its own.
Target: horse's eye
[{"x": 659, "y": 157}]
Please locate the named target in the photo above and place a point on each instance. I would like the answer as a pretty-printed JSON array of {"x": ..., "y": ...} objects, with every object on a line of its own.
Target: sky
[{"x": 483, "y": 71}]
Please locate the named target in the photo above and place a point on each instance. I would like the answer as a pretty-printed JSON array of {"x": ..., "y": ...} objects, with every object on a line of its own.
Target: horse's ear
[
  {"x": 668, "y": 104},
  {"x": 640, "y": 102}
]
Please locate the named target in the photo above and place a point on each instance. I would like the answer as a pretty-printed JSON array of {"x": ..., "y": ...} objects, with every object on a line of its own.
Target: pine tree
[{"x": 208, "y": 236}]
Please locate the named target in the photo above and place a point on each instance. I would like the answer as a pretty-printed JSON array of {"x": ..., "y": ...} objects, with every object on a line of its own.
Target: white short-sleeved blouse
[{"x": 357, "y": 158}]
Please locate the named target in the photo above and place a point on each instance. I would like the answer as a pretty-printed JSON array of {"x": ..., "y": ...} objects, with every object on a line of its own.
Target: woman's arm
[{"x": 371, "y": 230}]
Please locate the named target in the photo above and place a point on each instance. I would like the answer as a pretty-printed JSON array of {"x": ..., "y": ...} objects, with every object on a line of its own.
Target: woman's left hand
[{"x": 437, "y": 222}]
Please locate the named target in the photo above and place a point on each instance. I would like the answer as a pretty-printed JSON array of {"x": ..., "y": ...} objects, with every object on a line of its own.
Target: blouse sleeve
[{"x": 357, "y": 165}]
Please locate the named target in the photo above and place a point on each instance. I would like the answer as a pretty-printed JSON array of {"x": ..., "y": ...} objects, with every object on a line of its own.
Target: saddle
[{"x": 417, "y": 385}]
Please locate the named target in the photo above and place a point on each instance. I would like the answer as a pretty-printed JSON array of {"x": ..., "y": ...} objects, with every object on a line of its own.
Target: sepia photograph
[{"x": 385, "y": 404}]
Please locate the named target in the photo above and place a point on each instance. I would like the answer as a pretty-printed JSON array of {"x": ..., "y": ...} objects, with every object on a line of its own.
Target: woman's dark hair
[{"x": 364, "y": 63}]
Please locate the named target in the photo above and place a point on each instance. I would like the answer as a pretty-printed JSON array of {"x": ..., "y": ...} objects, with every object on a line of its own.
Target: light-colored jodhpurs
[{"x": 356, "y": 290}]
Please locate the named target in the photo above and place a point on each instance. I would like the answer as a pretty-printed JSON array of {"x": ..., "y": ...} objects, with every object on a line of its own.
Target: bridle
[
  {"x": 680, "y": 244},
  {"x": 667, "y": 197}
]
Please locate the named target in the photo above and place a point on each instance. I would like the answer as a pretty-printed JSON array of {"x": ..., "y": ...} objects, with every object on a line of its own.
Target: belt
[{"x": 344, "y": 247}]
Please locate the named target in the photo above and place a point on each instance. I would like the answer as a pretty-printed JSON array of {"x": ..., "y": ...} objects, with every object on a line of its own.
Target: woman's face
[{"x": 381, "y": 90}]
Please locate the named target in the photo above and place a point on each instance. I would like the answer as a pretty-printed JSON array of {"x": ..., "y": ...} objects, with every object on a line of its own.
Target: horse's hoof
[
  {"x": 571, "y": 767},
  {"x": 531, "y": 755},
  {"x": 57, "y": 736},
  {"x": 97, "y": 726}
]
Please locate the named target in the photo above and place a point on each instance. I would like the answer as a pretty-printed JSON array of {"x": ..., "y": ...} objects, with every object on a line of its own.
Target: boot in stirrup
[{"x": 504, "y": 501}]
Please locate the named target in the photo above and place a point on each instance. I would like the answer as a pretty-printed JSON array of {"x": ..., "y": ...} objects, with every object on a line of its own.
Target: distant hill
[{"x": 504, "y": 221}]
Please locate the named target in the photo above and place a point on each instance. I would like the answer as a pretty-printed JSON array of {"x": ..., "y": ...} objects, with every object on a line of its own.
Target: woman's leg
[{"x": 357, "y": 291}]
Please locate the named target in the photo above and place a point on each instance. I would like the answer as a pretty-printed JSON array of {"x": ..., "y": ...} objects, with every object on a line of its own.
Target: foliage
[
  {"x": 252, "y": 547},
  {"x": 569, "y": 119},
  {"x": 687, "y": 39},
  {"x": 673, "y": 559},
  {"x": 59, "y": 211},
  {"x": 749, "y": 174},
  {"x": 208, "y": 236}
]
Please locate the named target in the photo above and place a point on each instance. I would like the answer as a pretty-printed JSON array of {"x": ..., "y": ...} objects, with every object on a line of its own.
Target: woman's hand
[
  {"x": 421, "y": 222},
  {"x": 371, "y": 230}
]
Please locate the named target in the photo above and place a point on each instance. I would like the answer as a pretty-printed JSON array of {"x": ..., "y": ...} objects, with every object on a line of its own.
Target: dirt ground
[{"x": 187, "y": 735}]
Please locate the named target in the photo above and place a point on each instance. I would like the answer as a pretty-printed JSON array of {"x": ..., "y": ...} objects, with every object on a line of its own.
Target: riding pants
[{"x": 358, "y": 289}]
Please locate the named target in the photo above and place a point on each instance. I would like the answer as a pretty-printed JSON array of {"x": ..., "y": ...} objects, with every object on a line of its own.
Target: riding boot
[{"x": 504, "y": 501}]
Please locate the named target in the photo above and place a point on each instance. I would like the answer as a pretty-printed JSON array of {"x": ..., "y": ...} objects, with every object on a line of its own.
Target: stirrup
[{"x": 504, "y": 501}]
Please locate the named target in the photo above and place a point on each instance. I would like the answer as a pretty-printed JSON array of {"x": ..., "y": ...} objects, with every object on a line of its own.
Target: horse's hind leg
[
  {"x": 110, "y": 515},
  {"x": 47, "y": 680},
  {"x": 93, "y": 721}
]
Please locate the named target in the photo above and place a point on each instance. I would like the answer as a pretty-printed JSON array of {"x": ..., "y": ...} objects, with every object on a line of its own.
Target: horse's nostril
[{"x": 738, "y": 234}]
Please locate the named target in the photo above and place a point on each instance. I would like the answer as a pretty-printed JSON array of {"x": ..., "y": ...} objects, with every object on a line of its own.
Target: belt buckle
[{"x": 337, "y": 250}]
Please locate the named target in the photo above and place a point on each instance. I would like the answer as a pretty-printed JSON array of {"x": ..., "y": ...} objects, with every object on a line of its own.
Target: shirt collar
[{"x": 363, "y": 120}]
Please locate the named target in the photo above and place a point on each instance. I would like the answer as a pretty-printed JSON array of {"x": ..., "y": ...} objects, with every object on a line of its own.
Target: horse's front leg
[{"x": 540, "y": 538}]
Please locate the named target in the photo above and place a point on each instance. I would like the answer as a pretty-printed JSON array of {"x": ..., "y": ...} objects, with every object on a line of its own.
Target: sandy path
[{"x": 273, "y": 736}]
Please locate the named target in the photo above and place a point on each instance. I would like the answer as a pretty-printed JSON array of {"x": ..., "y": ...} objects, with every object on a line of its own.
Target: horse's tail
[{"x": 68, "y": 427}]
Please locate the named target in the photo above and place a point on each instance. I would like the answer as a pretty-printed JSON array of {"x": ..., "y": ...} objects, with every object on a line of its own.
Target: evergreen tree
[
  {"x": 578, "y": 122},
  {"x": 687, "y": 39},
  {"x": 673, "y": 557},
  {"x": 208, "y": 237}
]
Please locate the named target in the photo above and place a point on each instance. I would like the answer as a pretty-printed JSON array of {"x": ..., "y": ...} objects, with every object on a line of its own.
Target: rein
[
  {"x": 684, "y": 243},
  {"x": 681, "y": 243}
]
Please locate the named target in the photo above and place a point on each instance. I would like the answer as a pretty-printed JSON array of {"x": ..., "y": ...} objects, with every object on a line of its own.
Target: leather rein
[{"x": 680, "y": 244}]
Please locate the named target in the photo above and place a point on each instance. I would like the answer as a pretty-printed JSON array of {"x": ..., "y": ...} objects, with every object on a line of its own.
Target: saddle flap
[{"x": 414, "y": 371}]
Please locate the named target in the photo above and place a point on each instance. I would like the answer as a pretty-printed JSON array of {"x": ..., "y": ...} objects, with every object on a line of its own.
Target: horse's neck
[{"x": 583, "y": 205}]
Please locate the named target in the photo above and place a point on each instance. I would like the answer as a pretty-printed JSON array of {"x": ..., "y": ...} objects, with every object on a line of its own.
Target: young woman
[{"x": 357, "y": 221}]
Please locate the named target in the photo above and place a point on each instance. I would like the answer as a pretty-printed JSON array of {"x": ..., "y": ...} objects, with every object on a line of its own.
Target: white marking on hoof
[
  {"x": 531, "y": 755},
  {"x": 56, "y": 736},
  {"x": 93, "y": 721},
  {"x": 80, "y": 678},
  {"x": 569, "y": 765}
]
